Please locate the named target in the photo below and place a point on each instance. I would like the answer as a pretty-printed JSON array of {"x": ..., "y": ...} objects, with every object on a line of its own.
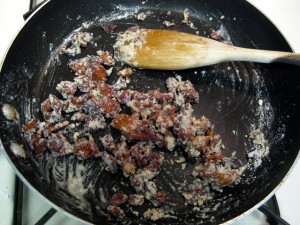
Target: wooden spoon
[{"x": 172, "y": 50}]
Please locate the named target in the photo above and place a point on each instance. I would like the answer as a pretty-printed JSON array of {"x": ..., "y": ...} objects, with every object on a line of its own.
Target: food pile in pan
[{"x": 149, "y": 124}]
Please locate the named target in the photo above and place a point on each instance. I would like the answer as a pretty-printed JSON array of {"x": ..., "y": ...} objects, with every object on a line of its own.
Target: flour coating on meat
[
  {"x": 124, "y": 51},
  {"x": 151, "y": 124},
  {"x": 78, "y": 40}
]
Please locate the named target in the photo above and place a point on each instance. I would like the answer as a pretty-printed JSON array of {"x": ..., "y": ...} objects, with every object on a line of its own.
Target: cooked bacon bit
[
  {"x": 78, "y": 116},
  {"x": 46, "y": 105},
  {"x": 141, "y": 154},
  {"x": 151, "y": 95},
  {"x": 116, "y": 211},
  {"x": 143, "y": 107},
  {"x": 164, "y": 98},
  {"x": 124, "y": 96},
  {"x": 185, "y": 16},
  {"x": 215, "y": 145},
  {"x": 160, "y": 197},
  {"x": 155, "y": 161},
  {"x": 85, "y": 66},
  {"x": 40, "y": 146},
  {"x": 109, "y": 106},
  {"x": 145, "y": 158},
  {"x": 79, "y": 39},
  {"x": 121, "y": 83},
  {"x": 183, "y": 124},
  {"x": 121, "y": 153},
  {"x": 136, "y": 199},
  {"x": 125, "y": 72},
  {"x": 33, "y": 135},
  {"x": 165, "y": 118},
  {"x": 86, "y": 148},
  {"x": 144, "y": 104},
  {"x": 85, "y": 84},
  {"x": 94, "y": 122},
  {"x": 129, "y": 167},
  {"x": 52, "y": 103},
  {"x": 202, "y": 125},
  {"x": 106, "y": 90},
  {"x": 200, "y": 142},
  {"x": 73, "y": 104},
  {"x": 59, "y": 144},
  {"x": 99, "y": 74},
  {"x": 188, "y": 91},
  {"x": 78, "y": 67},
  {"x": 31, "y": 126},
  {"x": 135, "y": 129},
  {"x": 168, "y": 23},
  {"x": 118, "y": 199},
  {"x": 82, "y": 38},
  {"x": 52, "y": 108},
  {"x": 224, "y": 179},
  {"x": 218, "y": 170},
  {"x": 109, "y": 27},
  {"x": 59, "y": 126},
  {"x": 216, "y": 157},
  {"x": 67, "y": 88},
  {"x": 49, "y": 128},
  {"x": 32, "y": 139},
  {"x": 183, "y": 90},
  {"x": 56, "y": 103},
  {"x": 106, "y": 57},
  {"x": 55, "y": 143},
  {"x": 52, "y": 117},
  {"x": 125, "y": 123}
]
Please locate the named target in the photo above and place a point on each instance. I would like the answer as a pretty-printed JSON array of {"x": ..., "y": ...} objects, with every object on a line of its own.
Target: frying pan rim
[
  {"x": 70, "y": 215},
  {"x": 17, "y": 33},
  {"x": 4, "y": 150},
  {"x": 32, "y": 188},
  {"x": 274, "y": 25},
  {"x": 265, "y": 199}
]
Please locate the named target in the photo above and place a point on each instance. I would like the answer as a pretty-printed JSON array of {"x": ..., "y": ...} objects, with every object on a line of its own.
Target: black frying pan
[{"x": 229, "y": 96}]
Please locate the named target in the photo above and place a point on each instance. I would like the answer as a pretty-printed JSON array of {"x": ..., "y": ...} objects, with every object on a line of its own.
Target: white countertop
[
  {"x": 11, "y": 20},
  {"x": 284, "y": 14}
]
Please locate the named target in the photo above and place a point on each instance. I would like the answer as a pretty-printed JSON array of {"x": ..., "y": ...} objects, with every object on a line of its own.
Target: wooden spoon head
[{"x": 162, "y": 49}]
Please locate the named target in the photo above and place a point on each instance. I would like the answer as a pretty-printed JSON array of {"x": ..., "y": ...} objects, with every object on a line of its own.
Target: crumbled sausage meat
[{"x": 144, "y": 120}]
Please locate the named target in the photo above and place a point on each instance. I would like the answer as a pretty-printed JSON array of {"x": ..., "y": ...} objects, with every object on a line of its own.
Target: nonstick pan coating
[{"x": 230, "y": 94}]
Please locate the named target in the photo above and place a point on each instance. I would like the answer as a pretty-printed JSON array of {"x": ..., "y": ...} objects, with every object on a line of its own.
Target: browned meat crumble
[
  {"x": 157, "y": 118},
  {"x": 78, "y": 40}
]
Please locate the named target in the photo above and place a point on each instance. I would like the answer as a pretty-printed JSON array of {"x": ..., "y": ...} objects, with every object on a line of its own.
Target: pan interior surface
[{"x": 237, "y": 97}]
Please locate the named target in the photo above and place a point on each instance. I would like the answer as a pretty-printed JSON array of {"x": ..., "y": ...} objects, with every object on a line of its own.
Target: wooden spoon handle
[
  {"x": 262, "y": 56},
  {"x": 291, "y": 58}
]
